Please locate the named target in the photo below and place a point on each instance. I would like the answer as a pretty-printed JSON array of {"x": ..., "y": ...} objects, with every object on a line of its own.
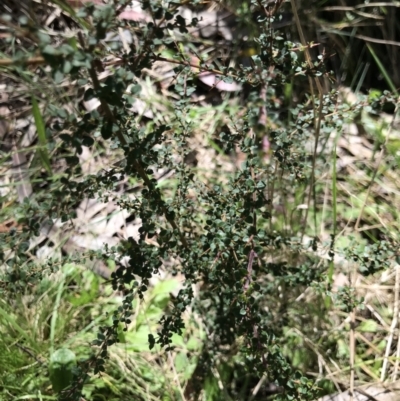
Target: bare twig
[
  {"x": 393, "y": 325},
  {"x": 252, "y": 255}
]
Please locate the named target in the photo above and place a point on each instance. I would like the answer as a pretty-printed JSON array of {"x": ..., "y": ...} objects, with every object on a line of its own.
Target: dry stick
[
  {"x": 252, "y": 255},
  {"x": 392, "y": 326},
  {"x": 7, "y": 62},
  {"x": 318, "y": 127},
  {"x": 380, "y": 41},
  {"x": 136, "y": 164},
  {"x": 262, "y": 120},
  {"x": 317, "y": 131},
  {"x": 304, "y": 44},
  {"x": 176, "y": 377},
  {"x": 396, "y": 365},
  {"x": 352, "y": 351},
  {"x": 194, "y": 65},
  {"x": 352, "y": 337},
  {"x": 271, "y": 185},
  {"x": 320, "y": 90},
  {"x": 257, "y": 387}
]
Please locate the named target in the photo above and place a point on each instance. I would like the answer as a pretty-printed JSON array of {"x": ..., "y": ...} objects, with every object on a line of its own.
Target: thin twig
[
  {"x": 7, "y": 62},
  {"x": 29, "y": 352},
  {"x": 317, "y": 117},
  {"x": 176, "y": 377},
  {"x": 393, "y": 325},
  {"x": 352, "y": 352},
  {"x": 252, "y": 255}
]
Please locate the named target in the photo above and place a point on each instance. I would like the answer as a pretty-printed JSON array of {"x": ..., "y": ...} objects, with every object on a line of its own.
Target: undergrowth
[{"x": 251, "y": 228}]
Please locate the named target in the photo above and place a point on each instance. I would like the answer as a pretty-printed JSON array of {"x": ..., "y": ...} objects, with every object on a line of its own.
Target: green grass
[{"x": 66, "y": 313}]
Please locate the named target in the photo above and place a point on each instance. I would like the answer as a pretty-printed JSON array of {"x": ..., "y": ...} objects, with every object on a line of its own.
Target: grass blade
[
  {"x": 44, "y": 156},
  {"x": 383, "y": 70}
]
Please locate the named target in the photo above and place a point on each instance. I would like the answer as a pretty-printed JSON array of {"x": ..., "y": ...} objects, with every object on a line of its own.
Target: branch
[{"x": 136, "y": 164}]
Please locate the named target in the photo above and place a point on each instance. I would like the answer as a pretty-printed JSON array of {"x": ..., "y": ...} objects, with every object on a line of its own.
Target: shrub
[{"x": 245, "y": 239}]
